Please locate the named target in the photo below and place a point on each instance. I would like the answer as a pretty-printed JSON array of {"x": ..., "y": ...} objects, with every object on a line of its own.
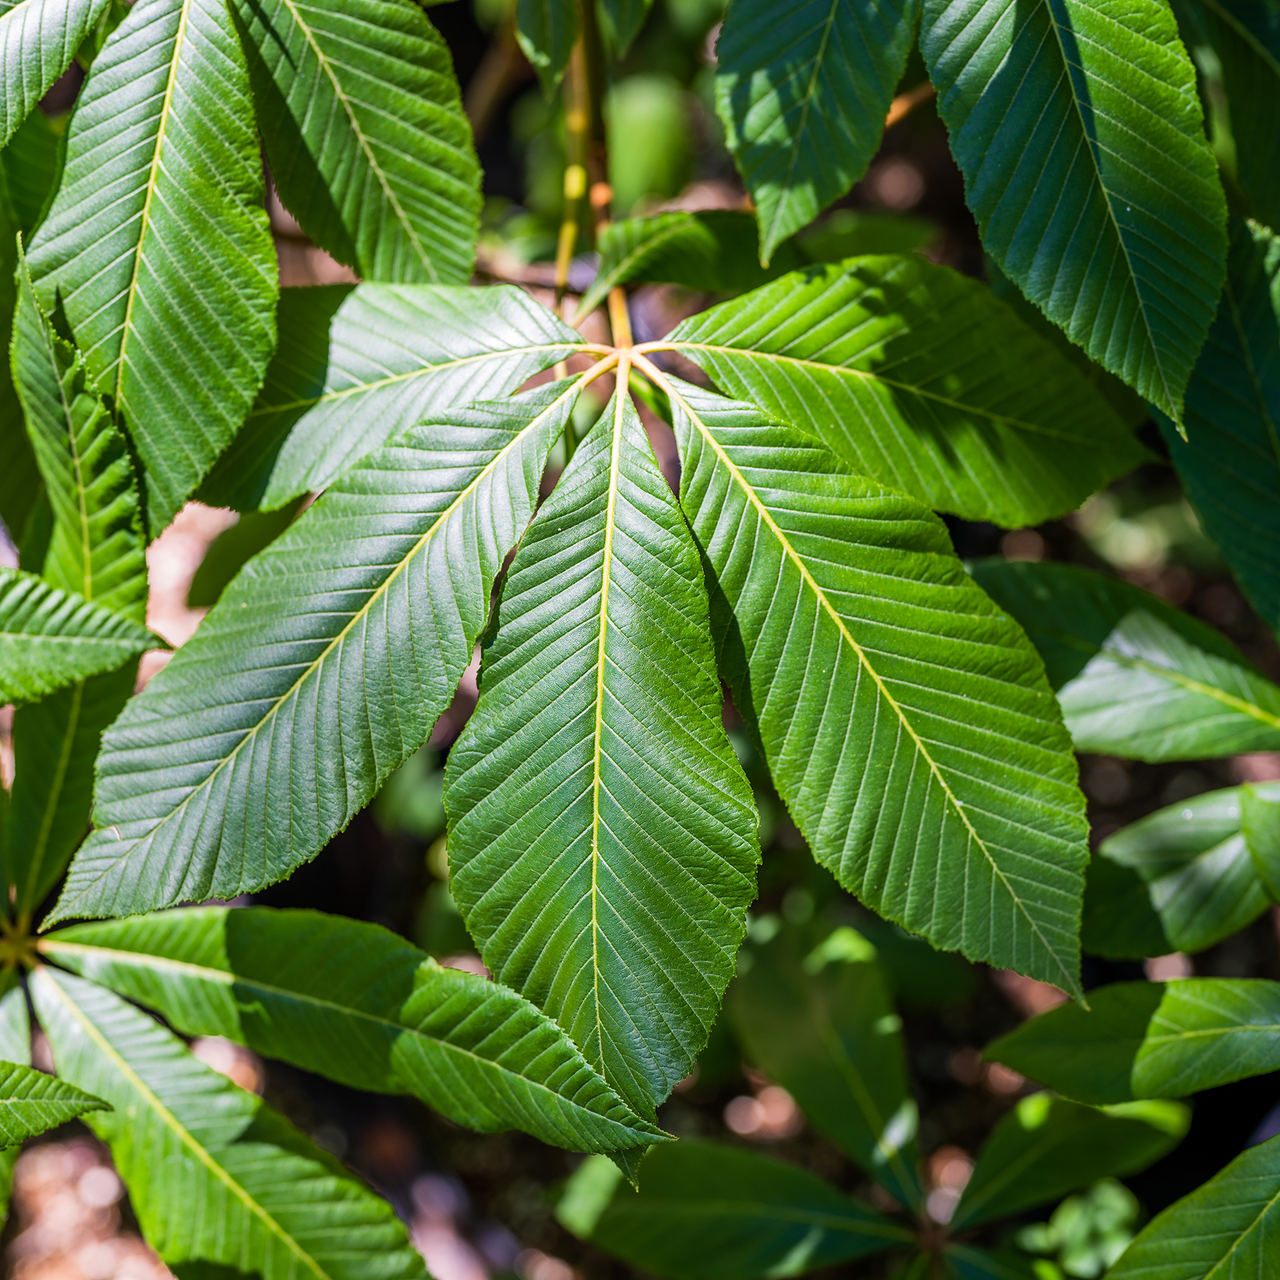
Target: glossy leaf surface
[
  {"x": 32, "y": 1102},
  {"x": 922, "y": 380}
]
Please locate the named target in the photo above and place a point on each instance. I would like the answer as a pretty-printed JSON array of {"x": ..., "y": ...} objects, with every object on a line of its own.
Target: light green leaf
[
  {"x": 15, "y": 1021},
  {"x": 623, "y": 20},
  {"x": 321, "y": 669},
  {"x": 1081, "y": 138},
  {"x": 213, "y": 1173},
  {"x": 158, "y": 240},
  {"x": 857, "y": 648},
  {"x": 708, "y": 1212},
  {"x": 1135, "y": 677},
  {"x": 354, "y": 1002},
  {"x": 803, "y": 93},
  {"x": 32, "y": 1103},
  {"x": 51, "y": 638},
  {"x": 358, "y": 365},
  {"x": 1048, "y": 1146},
  {"x": 1260, "y": 822},
  {"x": 919, "y": 378},
  {"x": 38, "y": 39},
  {"x": 1227, "y": 1229},
  {"x": 602, "y": 835},
  {"x": 832, "y": 1039},
  {"x": 1150, "y": 1040},
  {"x": 363, "y": 125},
  {"x": 1230, "y": 462},
  {"x": 546, "y": 30}
]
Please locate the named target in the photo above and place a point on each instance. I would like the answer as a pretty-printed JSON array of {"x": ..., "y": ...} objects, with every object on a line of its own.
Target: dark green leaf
[
  {"x": 227, "y": 553},
  {"x": 31, "y": 164},
  {"x": 1260, "y": 822},
  {"x": 623, "y": 20},
  {"x": 1081, "y": 138},
  {"x": 32, "y": 1102},
  {"x": 967, "y": 1263},
  {"x": 546, "y": 30}
]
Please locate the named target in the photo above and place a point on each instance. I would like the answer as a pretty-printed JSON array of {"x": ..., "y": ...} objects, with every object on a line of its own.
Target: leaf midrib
[{"x": 41, "y": 845}]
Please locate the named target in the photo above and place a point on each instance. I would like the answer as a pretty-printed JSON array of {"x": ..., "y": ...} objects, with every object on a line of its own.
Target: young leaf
[
  {"x": 1116, "y": 230},
  {"x": 1260, "y": 822},
  {"x": 358, "y": 365},
  {"x": 354, "y": 1002},
  {"x": 1150, "y": 1040},
  {"x": 857, "y": 648},
  {"x": 50, "y": 638},
  {"x": 363, "y": 125},
  {"x": 831, "y": 1039},
  {"x": 158, "y": 240},
  {"x": 1230, "y": 462},
  {"x": 602, "y": 836},
  {"x": 213, "y": 1173},
  {"x": 1135, "y": 677},
  {"x": 1048, "y": 1146},
  {"x": 918, "y": 377},
  {"x": 323, "y": 667},
  {"x": 708, "y": 1212},
  {"x": 803, "y": 94},
  {"x": 1226, "y": 1228},
  {"x": 32, "y": 1102},
  {"x": 546, "y": 30}
]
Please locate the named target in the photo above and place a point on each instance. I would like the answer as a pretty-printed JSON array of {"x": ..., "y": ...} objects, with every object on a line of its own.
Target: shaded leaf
[
  {"x": 19, "y": 477},
  {"x": 546, "y": 30},
  {"x": 623, "y": 20},
  {"x": 1260, "y": 822},
  {"x": 31, "y": 163},
  {"x": 32, "y": 1102},
  {"x": 228, "y": 552},
  {"x": 964, "y": 1262}
]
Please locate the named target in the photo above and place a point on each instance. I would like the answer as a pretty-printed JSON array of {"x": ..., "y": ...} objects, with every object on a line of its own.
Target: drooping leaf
[
  {"x": 1081, "y": 139},
  {"x": 354, "y": 1002},
  {"x": 602, "y": 836},
  {"x": 546, "y": 30},
  {"x": 321, "y": 669},
  {"x": 709, "y": 1212},
  {"x": 358, "y": 365},
  {"x": 158, "y": 240},
  {"x": 803, "y": 94},
  {"x": 1048, "y": 1146},
  {"x": 363, "y": 125},
  {"x": 921, "y": 379},
  {"x": 1226, "y": 1229},
  {"x": 38, "y": 39},
  {"x": 1230, "y": 462},
  {"x": 832, "y": 1040},
  {"x": 1260, "y": 823},
  {"x": 1150, "y": 1040},
  {"x": 857, "y": 648},
  {"x": 623, "y": 20},
  {"x": 32, "y": 1102},
  {"x": 213, "y": 1173},
  {"x": 1135, "y": 677}
]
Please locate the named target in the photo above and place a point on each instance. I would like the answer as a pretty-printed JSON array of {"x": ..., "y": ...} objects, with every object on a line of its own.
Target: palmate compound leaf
[
  {"x": 1228, "y": 1229},
  {"x": 1081, "y": 138},
  {"x": 1150, "y": 1039},
  {"x": 32, "y": 1102},
  {"x": 357, "y": 365},
  {"x": 906, "y": 721},
  {"x": 213, "y": 1173},
  {"x": 602, "y": 836},
  {"x": 920, "y": 378},
  {"x": 322, "y": 668},
  {"x": 51, "y": 638},
  {"x": 1135, "y": 677},
  {"x": 354, "y": 1002},
  {"x": 363, "y": 125},
  {"x": 803, "y": 94}
]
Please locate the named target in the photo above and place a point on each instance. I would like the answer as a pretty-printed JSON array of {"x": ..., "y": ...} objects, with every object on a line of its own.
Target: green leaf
[
  {"x": 364, "y": 130},
  {"x": 1081, "y": 138},
  {"x": 964, "y": 1262},
  {"x": 358, "y": 365},
  {"x": 15, "y": 1021},
  {"x": 20, "y": 490},
  {"x": 213, "y": 1173},
  {"x": 1200, "y": 880},
  {"x": 803, "y": 94},
  {"x": 1048, "y": 1146},
  {"x": 354, "y": 1002},
  {"x": 38, "y": 39},
  {"x": 32, "y": 1103},
  {"x": 602, "y": 835},
  {"x": 714, "y": 251},
  {"x": 51, "y": 638},
  {"x": 857, "y": 648},
  {"x": 158, "y": 240},
  {"x": 832, "y": 1039},
  {"x": 1227, "y": 1228},
  {"x": 1150, "y": 1040},
  {"x": 1135, "y": 677},
  {"x": 546, "y": 30},
  {"x": 623, "y": 20},
  {"x": 709, "y": 1212},
  {"x": 322, "y": 668},
  {"x": 228, "y": 552},
  {"x": 31, "y": 164},
  {"x": 1260, "y": 822},
  {"x": 919, "y": 378},
  {"x": 1230, "y": 463}
]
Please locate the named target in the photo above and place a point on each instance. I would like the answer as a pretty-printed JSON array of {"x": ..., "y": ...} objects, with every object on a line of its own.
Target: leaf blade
[{"x": 32, "y": 1103}]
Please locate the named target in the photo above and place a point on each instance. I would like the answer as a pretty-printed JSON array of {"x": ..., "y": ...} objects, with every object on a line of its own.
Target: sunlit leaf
[{"x": 32, "y": 1102}]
